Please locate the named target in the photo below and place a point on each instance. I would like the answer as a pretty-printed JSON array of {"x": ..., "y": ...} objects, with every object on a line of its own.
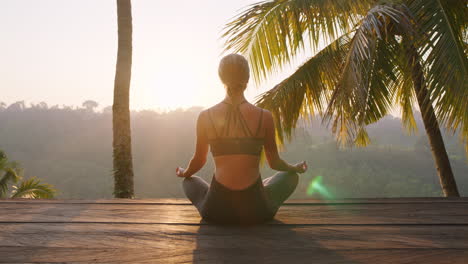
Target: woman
[{"x": 236, "y": 132}]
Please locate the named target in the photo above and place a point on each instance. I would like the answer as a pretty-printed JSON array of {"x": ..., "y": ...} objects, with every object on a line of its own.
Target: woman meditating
[{"x": 236, "y": 132}]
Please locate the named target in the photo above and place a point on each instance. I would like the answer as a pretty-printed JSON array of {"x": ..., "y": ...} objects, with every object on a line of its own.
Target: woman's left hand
[{"x": 180, "y": 172}]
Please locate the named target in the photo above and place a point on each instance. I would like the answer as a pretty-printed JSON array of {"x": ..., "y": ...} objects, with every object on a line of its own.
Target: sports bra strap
[
  {"x": 212, "y": 123},
  {"x": 245, "y": 126},
  {"x": 232, "y": 113}
]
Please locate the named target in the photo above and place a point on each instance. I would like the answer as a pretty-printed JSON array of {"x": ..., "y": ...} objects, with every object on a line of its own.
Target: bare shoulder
[
  {"x": 202, "y": 116},
  {"x": 212, "y": 108},
  {"x": 266, "y": 112},
  {"x": 268, "y": 115},
  {"x": 257, "y": 108},
  {"x": 208, "y": 111},
  {"x": 269, "y": 121},
  {"x": 202, "y": 113}
]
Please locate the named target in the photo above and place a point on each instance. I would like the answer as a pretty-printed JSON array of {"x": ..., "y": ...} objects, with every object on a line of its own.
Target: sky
[{"x": 63, "y": 52}]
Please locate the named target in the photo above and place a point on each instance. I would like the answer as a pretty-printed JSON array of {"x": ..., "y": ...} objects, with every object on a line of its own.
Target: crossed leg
[
  {"x": 195, "y": 189},
  {"x": 280, "y": 186}
]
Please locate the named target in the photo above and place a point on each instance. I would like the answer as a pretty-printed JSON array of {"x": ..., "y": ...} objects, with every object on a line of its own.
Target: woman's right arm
[
  {"x": 201, "y": 150},
  {"x": 271, "y": 149}
]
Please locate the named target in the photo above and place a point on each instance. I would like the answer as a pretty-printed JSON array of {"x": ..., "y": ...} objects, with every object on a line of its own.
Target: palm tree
[
  {"x": 31, "y": 188},
  {"x": 379, "y": 55},
  {"x": 123, "y": 167}
]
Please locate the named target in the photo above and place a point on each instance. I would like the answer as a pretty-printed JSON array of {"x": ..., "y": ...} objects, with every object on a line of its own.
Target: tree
[
  {"x": 107, "y": 110},
  {"x": 123, "y": 167},
  {"x": 381, "y": 54},
  {"x": 29, "y": 188},
  {"x": 17, "y": 106},
  {"x": 90, "y": 105}
]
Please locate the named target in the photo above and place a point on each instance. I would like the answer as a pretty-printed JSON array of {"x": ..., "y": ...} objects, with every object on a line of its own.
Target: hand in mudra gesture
[
  {"x": 180, "y": 172},
  {"x": 301, "y": 167}
]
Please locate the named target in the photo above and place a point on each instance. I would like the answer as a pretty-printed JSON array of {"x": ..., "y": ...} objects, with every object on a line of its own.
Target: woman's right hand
[
  {"x": 180, "y": 172},
  {"x": 301, "y": 167}
]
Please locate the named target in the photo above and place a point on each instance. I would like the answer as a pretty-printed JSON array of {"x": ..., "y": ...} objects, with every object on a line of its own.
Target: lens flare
[{"x": 316, "y": 186}]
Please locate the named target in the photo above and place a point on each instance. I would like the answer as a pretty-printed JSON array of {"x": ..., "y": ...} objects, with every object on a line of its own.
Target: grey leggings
[{"x": 276, "y": 190}]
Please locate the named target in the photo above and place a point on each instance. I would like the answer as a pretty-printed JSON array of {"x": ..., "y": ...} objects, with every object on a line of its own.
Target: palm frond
[
  {"x": 270, "y": 33},
  {"x": 11, "y": 173},
  {"x": 10, "y": 176},
  {"x": 3, "y": 159},
  {"x": 444, "y": 50},
  {"x": 404, "y": 97},
  {"x": 362, "y": 138},
  {"x": 307, "y": 90},
  {"x": 368, "y": 80},
  {"x": 32, "y": 188}
]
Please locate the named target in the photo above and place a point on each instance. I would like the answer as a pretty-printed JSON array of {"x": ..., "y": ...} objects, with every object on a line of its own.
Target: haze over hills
[{"x": 71, "y": 148}]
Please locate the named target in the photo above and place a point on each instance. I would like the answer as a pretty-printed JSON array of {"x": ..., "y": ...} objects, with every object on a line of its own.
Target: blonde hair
[{"x": 234, "y": 72}]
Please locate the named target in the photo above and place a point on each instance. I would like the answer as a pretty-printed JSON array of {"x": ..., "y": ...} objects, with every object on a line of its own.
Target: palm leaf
[
  {"x": 404, "y": 96},
  {"x": 271, "y": 33},
  {"x": 10, "y": 176},
  {"x": 11, "y": 173},
  {"x": 444, "y": 49},
  {"x": 33, "y": 189},
  {"x": 307, "y": 90},
  {"x": 3, "y": 160},
  {"x": 368, "y": 80}
]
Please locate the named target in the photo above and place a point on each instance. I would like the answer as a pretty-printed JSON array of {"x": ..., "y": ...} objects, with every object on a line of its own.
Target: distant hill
[{"x": 71, "y": 148}]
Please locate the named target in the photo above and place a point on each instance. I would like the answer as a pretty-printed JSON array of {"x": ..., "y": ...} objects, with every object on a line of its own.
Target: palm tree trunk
[
  {"x": 122, "y": 153},
  {"x": 444, "y": 170}
]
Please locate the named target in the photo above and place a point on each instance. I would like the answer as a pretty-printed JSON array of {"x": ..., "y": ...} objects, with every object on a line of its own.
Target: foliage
[
  {"x": 71, "y": 148},
  {"x": 33, "y": 189},
  {"x": 271, "y": 33},
  {"x": 444, "y": 25},
  {"x": 29, "y": 188},
  {"x": 361, "y": 72},
  {"x": 90, "y": 105}
]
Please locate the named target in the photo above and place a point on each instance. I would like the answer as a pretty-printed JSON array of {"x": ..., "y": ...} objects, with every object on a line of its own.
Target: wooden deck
[{"x": 373, "y": 231}]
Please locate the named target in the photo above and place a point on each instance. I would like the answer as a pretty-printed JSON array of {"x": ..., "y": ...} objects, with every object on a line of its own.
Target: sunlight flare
[{"x": 316, "y": 186}]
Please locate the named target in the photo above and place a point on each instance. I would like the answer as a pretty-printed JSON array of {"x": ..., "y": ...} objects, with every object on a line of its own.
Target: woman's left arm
[{"x": 201, "y": 151}]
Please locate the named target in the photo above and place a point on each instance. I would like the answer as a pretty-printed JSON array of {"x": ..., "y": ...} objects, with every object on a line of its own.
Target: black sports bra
[{"x": 223, "y": 144}]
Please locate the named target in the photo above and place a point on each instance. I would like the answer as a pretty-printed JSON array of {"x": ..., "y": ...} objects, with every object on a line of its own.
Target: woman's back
[{"x": 236, "y": 133}]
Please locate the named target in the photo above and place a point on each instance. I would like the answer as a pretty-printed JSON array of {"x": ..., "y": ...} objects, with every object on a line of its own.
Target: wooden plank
[
  {"x": 255, "y": 237},
  {"x": 113, "y": 232},
  {"x": 184, "y": 201},
  {"x": 357, "y": 214},
  {"x": 233, "y": 255}
]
